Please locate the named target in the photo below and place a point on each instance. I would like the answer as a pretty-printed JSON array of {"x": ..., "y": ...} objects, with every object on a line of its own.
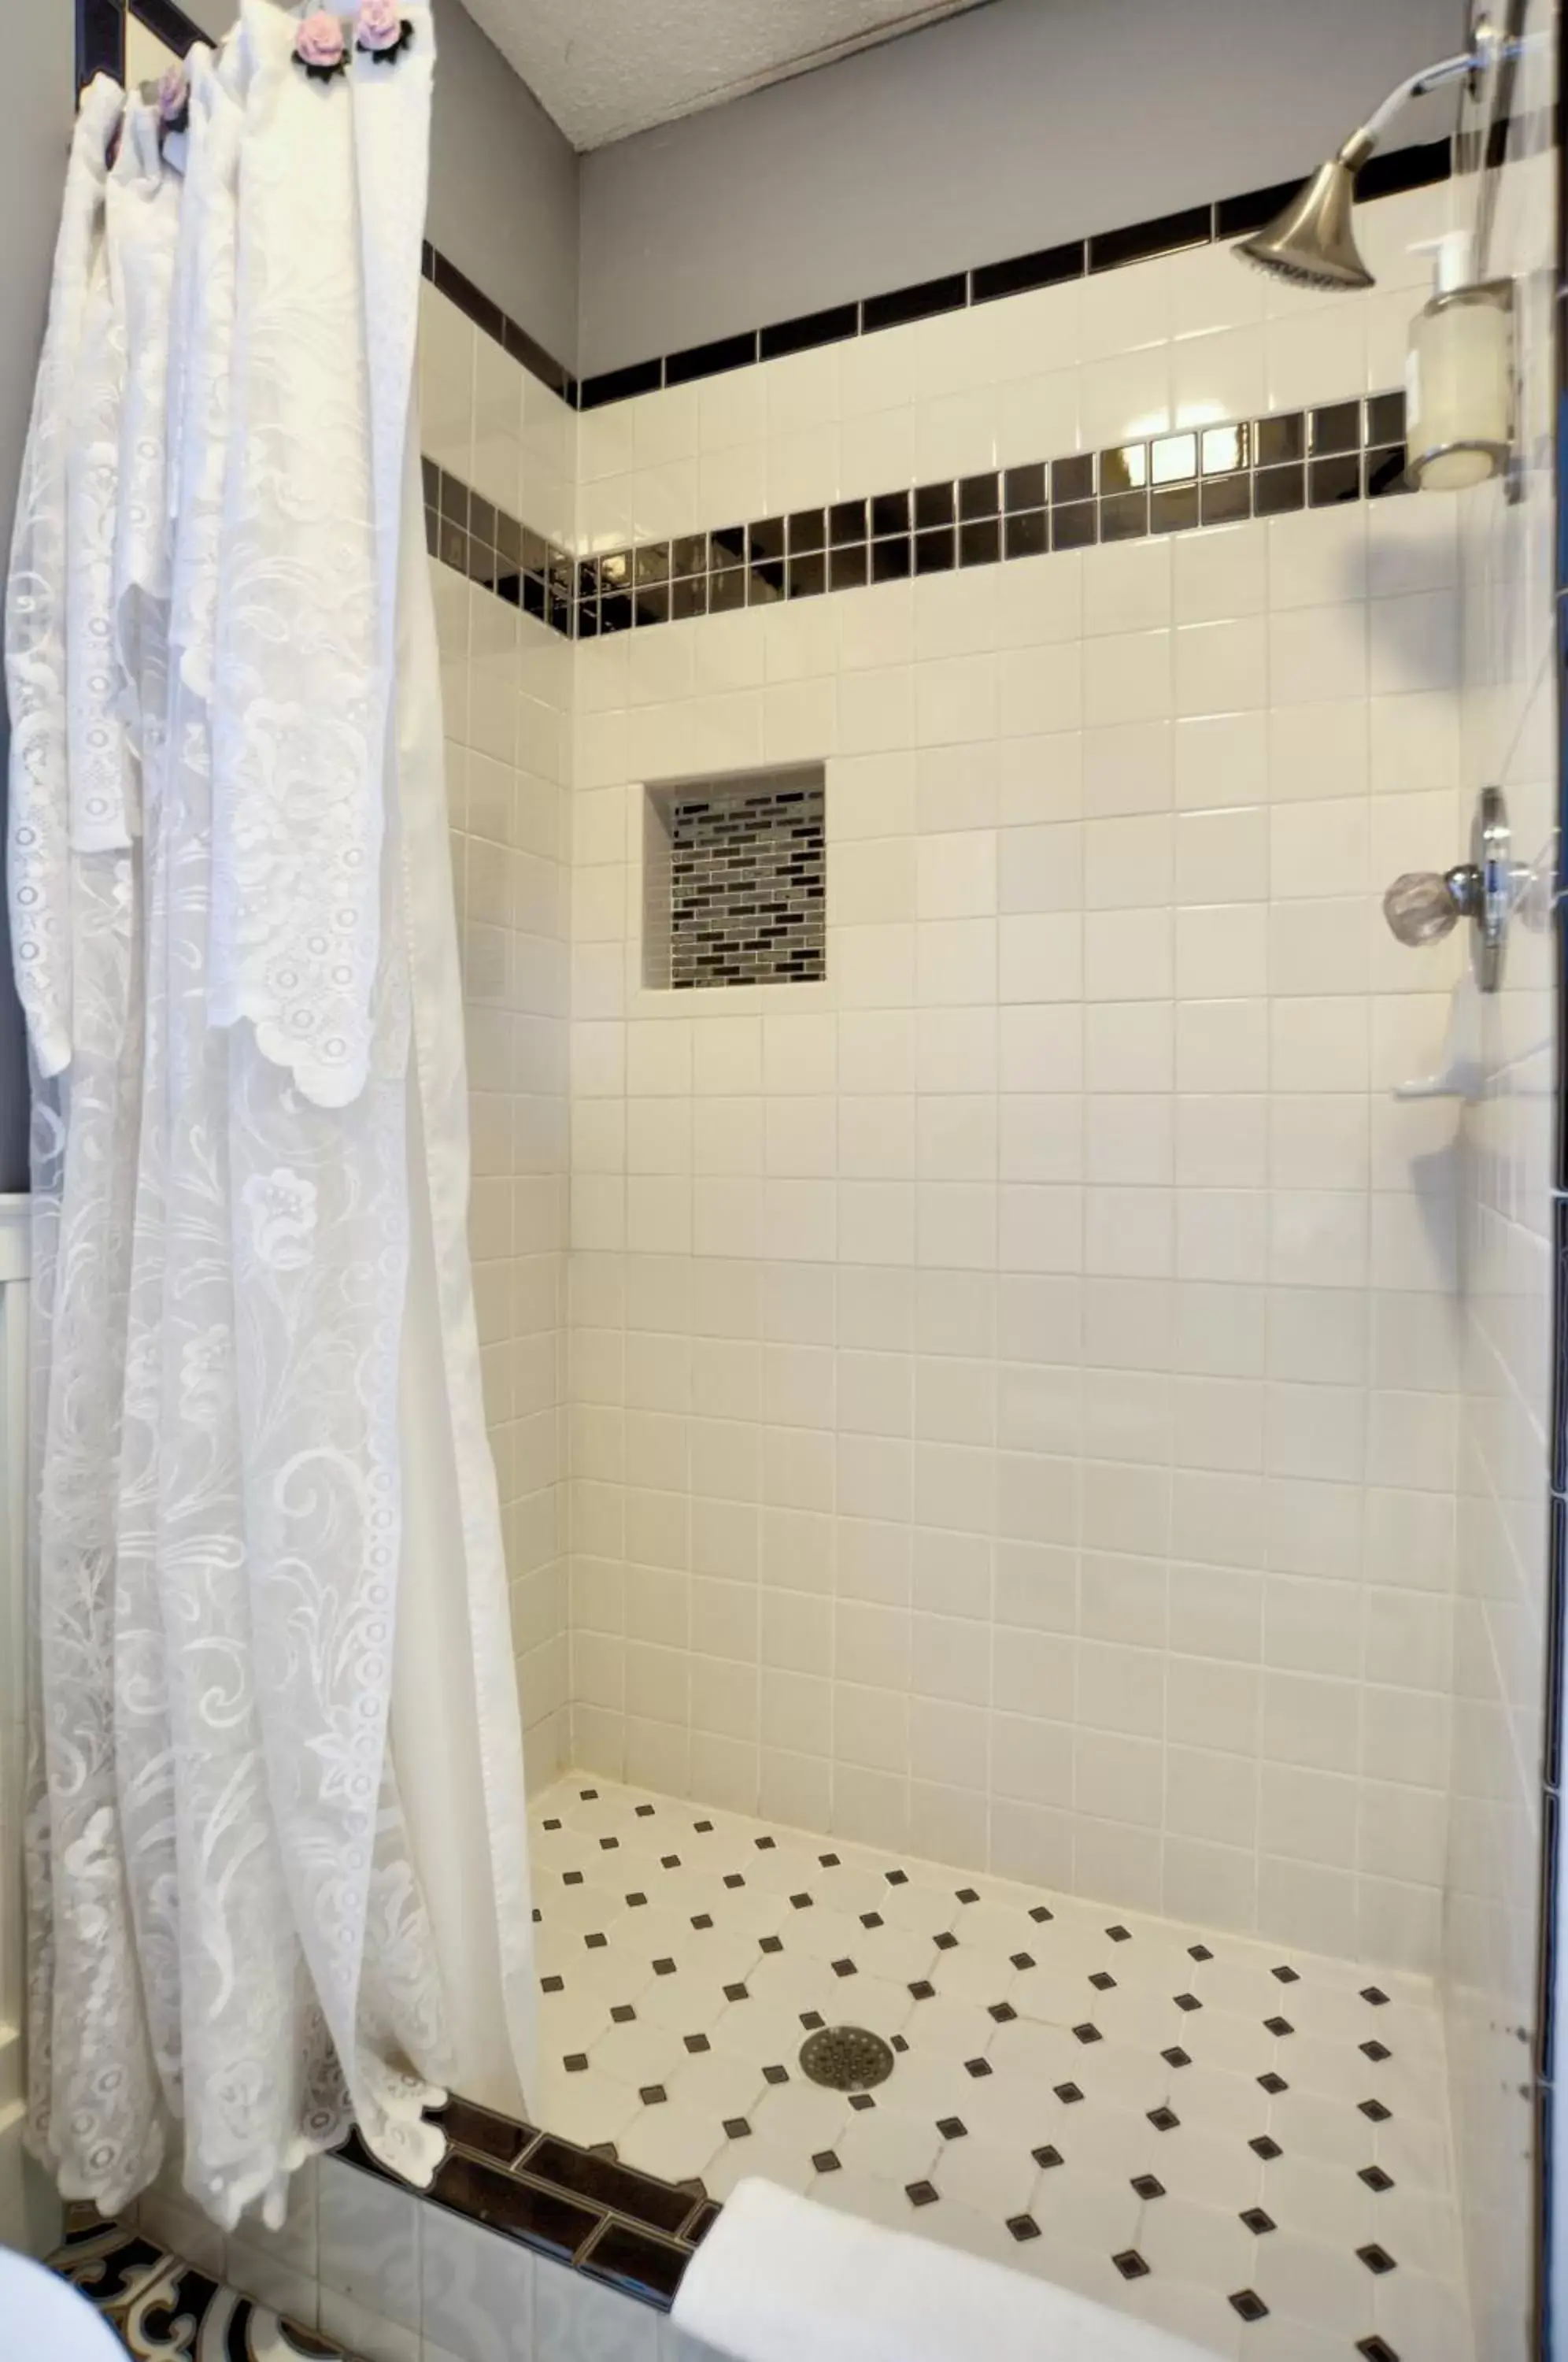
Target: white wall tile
[{"x": 1057, "y": 1475}]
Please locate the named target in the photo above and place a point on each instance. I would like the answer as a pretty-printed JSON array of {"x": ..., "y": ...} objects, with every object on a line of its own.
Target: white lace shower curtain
[{"x": 277, "y": 1864}]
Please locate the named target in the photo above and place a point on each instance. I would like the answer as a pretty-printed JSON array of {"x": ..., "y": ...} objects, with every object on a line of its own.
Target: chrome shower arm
[
  {"x": 1311, "y": 241},
  {"x": 1416, "y": 85}
]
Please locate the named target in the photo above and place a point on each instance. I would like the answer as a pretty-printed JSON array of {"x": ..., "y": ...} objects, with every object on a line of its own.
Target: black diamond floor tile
[{"x": 1244, "y": 2036}]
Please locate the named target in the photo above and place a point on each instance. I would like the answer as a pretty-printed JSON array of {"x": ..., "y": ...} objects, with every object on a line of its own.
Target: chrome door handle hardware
[{"x": 1423, "y": 905}]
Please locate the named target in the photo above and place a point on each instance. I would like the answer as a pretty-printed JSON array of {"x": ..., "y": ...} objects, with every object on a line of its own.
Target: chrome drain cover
[{"x": 846, "y": 2058}]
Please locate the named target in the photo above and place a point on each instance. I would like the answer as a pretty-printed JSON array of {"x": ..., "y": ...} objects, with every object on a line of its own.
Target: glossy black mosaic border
[
  {"x": 577, "y": 2206},
  {"x": 474, "y": 538},
  {"x": 1214, "y": 475}
]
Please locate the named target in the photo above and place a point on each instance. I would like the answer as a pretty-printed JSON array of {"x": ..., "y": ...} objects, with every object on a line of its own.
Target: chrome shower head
[{"x": 1311, "y": 243}]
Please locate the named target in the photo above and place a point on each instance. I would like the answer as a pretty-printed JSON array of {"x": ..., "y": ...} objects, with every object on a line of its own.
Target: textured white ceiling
[{"x": 604, "y": 68}]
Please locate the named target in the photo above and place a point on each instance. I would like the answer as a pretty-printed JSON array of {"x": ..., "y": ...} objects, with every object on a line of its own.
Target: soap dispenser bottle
[{"x": 1458, "y": 372}]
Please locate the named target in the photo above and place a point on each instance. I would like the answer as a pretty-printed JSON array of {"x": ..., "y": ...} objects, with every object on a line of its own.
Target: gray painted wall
[
  {"x": 504, "y": 186},
  {"x": 1028, "y": 122}
]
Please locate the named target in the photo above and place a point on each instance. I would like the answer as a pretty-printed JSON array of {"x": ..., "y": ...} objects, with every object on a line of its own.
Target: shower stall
[{"x": 1017, "y": 1310}]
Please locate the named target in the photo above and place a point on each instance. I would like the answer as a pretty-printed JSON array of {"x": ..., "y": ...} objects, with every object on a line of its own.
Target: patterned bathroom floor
[
  {"x": 1245, "y": 2143},
  {"x": 165, "y": 2310}
]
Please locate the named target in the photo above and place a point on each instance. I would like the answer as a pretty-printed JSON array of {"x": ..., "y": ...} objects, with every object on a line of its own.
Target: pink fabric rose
[
  {"x": 173, "y": 94},
  {"x": 318, "y": 44},
  {"x": 380, "y": 26}
]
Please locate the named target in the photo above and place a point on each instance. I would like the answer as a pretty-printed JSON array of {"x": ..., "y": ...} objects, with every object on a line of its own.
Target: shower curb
[{"x": 580, "y": 2207}]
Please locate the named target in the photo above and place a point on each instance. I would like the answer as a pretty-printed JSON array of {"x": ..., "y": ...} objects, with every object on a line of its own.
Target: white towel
[{"x": 779, "y": 2279}]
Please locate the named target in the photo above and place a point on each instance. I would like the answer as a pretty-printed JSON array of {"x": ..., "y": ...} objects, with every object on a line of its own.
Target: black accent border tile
[
  {"x": 901, "y": 305},
  {"x": 579, "y": 2206},
  {"x": 1142, "y": 241},
  {"x": 1269, "y": 465},
  {"x": 100, "y": 39},
  {"x": 1388, "y": 173},
  {"x": 834, "y": 325},
  {"x": 1053, "y": 265},
  {"x": 715, "y": 359},
  {"x": 620, "y": 384},
  {"x": 100, "y": 45}
]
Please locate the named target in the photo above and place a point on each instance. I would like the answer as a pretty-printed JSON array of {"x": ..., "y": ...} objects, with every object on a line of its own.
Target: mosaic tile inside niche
[
  {"x": 1245, "y": 2143},
  {"x": 745, "y": 872},
  {"x": 1216, "y": 475}
]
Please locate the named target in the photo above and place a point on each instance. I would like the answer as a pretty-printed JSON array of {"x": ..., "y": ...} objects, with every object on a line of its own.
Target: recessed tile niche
[{"x": 735, "y": 881}]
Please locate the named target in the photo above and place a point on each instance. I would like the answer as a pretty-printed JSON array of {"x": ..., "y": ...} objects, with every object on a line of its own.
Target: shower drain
[{"x": 846, "y": 2058}]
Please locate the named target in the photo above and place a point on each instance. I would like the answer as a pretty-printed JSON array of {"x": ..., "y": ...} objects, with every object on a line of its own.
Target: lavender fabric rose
[
  {"x": 173, "y": 95},
  {"x": 318, "y": 44},
  {"x": 380, "y": 26}
]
